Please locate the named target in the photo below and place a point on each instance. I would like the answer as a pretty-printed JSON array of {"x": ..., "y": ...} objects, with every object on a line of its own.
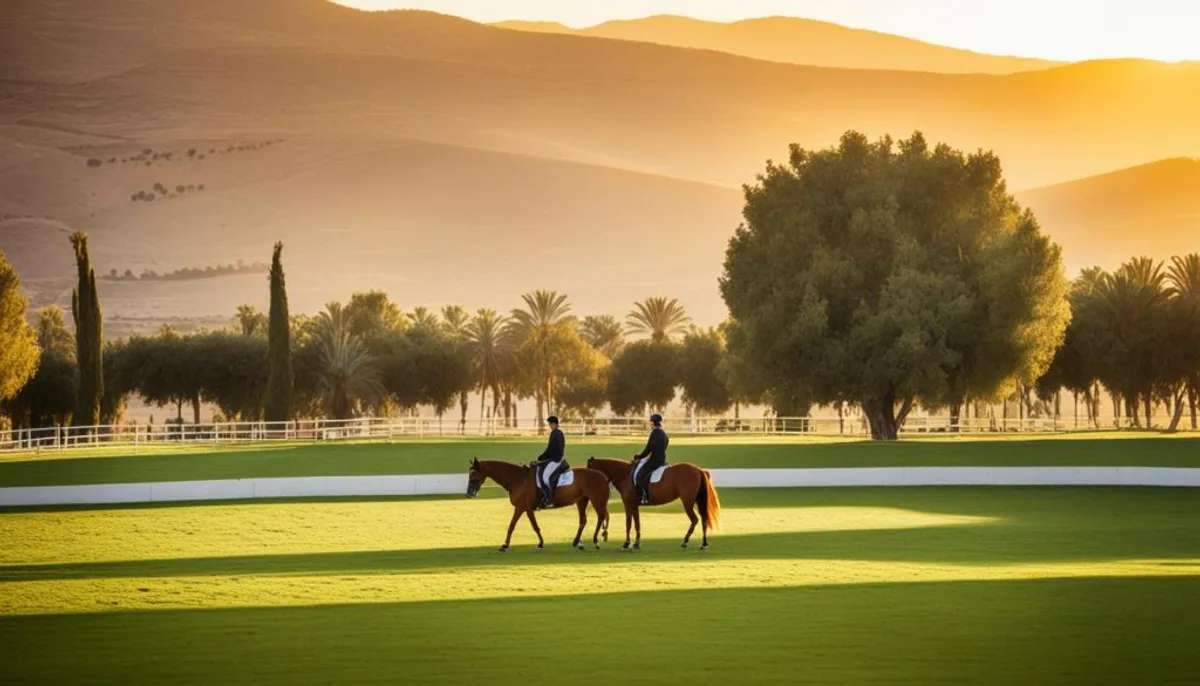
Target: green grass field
[
  {"x": 431, "y": 456},
  {"x": 918, "y": 585}
]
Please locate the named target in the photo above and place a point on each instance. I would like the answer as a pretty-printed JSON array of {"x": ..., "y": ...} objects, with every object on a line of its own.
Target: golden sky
[{"x": 1068, "y": 30}]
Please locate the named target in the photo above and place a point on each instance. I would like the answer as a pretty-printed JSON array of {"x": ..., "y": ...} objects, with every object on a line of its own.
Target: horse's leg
[
  {"x": 536, "y": 529},
  {"x": 628, "y": 520},
  {"x": 582, "y": 505},
  {"x": 511, "y": 525},
  {"x": 600, "y": 505},
  {"x": 637, "y": 522},
  {"x": 689, "y": 503}
]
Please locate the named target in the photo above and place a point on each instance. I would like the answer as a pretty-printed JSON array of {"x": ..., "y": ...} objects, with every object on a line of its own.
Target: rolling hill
[
  {"x": 798, "y": 41},
  {"x": 444, "y": 160},
  {"x": 1151, "y": 209}
]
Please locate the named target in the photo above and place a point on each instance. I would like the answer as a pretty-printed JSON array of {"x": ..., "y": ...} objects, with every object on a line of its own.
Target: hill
[
  {"x": 1151, "y": 209},
  {"x": 798, "y": 41},
  {"x": 445, "y": 160}
]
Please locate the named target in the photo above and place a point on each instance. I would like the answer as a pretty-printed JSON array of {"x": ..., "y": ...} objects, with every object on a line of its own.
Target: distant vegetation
[
  {"x": 188, "y": 273},
  {"x": 160, "y": 190},
  {"x": 150, "y": 156}
]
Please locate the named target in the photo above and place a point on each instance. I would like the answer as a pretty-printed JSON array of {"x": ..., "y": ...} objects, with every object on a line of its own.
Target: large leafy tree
[
  {"x": 880, "y": 274},
  {"x": 85, "y": 308},
  {"x": 1132, "y": 303},
  {"x": 697, "y": 367},
  {"x": 19, "y": 352},
  {"x": 234, "y": 373},
  {"x": 278, "y": 400},
  {"x": 1184, "y": 277},
  {"x": 643, "y": 376},
  {"x": 660, "y": 319},
  {"x": 48, "y": 397}
]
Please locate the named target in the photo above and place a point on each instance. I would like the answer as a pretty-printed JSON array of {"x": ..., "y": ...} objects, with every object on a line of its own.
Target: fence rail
[{"x": 383, "y": 428}]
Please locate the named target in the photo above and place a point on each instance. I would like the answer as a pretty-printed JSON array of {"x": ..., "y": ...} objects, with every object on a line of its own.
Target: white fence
[{"x": 390, "y": 428}]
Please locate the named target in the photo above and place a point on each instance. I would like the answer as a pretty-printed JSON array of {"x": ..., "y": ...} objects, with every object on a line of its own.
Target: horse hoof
[
  {"x": 683, "y": 545},
  {"x": 503, "y": 549},
  {"x": 637, "y": 547},
  {"x": 704, "y": 547}
]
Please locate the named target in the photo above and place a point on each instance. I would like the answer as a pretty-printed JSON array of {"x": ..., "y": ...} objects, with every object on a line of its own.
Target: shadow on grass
[
  {"x": 1082, "y": 630},
  {"x": 1014, "y": 526}
]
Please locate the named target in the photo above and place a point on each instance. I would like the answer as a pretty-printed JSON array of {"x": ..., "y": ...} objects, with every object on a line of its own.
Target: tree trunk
[
  {"x": 1192, "y": 401},
  {"x": 1075, "y": 394},
  {"x": 1178, "y": 414},
  {"x": 462, "y": 404},
  {"x": 956, "y": 417},
  {"x": 737, "y": 411},
  {"x": 1149, "y": 412},
  {"x": 482, "y": 408},
  {"x": 881, "y": 416},
  {"x": 195, "y": 409}
]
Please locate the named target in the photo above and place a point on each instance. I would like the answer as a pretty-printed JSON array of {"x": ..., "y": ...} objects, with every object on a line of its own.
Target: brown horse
[
  {"x": 589, "y": 486},
  {"x": 687, "y": 482}
]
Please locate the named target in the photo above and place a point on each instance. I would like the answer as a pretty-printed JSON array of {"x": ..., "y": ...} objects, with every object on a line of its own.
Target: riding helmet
[
  {"x": 656, "y": 418},
  {"x": 551, "y": 419}
]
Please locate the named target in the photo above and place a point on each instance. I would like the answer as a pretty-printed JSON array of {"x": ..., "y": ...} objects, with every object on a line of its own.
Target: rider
[
  {"x": 550, "y": 464},
  {"x": 656, "y": 448}
]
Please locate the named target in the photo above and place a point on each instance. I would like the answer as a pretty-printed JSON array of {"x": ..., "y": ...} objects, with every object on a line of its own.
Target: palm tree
[
  {"x": 491, "y": 354},
  {"x": 251, "y": 320},
  {"x": 454, "y": 324},
  {"x": 659, "y": 318},
  {"x": 604, "y": 333},
  {"x": 1184, "y": 277},
  {"x": 532, "y": 328},
  {"x": 346, "y": 375},
  {"x": 422, "y": 318},
  {"x": 1132, "y": 299}
]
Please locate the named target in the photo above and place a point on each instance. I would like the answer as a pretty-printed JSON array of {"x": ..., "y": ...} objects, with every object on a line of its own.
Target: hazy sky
[{"x": 1051, "y": 29}]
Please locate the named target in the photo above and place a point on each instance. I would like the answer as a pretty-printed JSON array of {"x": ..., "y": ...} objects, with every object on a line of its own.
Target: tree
[
  {"x": 1184, "y": 277},
  {"x": 52, "y": 332},
  {"x": 278, "y": 400},
  {"x": 583, "y": 389},
  {"x": 455, "y": 322},
  {"x": 659, "y": 318},
  {"x": 166, "y": 369},
  {"x": 117, "y": 383},
  {"x": 234, "y": 373},
  {"x": 422, "y": 318},
  {"x": 491, "y": 353},
  {"x": 19, "y": 352},
  {"x": 697, "y": 369},
  {"x": 347, "y": 374},
  {"x": 48, "y": 398},
  {"x": 533, "y": 329},
  {"x": 372, "y": 315},
  {"x": 1131, "y": 302},
  {"x": 604, "y": 333},
  {"x": 643, "y": 376},
  {"x": 875, "y": 275},
  {"x": 251, "y": 321},
  {"x": 89, "y": 356}
]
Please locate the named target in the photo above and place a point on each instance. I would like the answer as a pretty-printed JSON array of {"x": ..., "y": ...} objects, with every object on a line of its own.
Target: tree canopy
[
  {"x": 19, "y": 352},
  {"x": 879, "y": 273}
]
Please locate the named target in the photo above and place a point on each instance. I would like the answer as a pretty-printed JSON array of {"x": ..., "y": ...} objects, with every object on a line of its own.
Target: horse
[
  {"x": 589, "y": 486},
  {"x": 692, "y": 485}
]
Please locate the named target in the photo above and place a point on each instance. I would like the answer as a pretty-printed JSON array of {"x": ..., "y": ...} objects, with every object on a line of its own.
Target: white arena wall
[{"x": 456, "y": 484}]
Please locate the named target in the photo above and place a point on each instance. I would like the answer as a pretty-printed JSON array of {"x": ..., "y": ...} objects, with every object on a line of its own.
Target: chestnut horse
[
  {"x": 589, "y": 486},
  {"x": 687, "y": 482}
]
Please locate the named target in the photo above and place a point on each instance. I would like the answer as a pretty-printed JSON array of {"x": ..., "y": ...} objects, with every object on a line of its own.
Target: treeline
[
  {"x": 188, "y": 273},
  {"x": 1136, "y": 333},
  {"x": 369, "y": 357}
]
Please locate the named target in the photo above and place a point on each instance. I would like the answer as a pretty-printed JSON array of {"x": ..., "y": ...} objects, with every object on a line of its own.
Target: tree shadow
[{"x": 1083, "y": 630}]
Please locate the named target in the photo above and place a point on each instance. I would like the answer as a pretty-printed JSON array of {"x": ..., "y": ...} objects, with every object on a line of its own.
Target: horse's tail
[{"x": 708, "y": 501}]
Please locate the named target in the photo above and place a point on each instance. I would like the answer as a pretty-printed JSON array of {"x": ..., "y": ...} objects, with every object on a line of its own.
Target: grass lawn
[
  {"x": 431, "y": 457},
  {"x": 975, "y": 585}
]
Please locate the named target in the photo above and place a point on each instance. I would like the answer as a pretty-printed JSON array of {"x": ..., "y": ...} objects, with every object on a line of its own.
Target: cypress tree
[
  {"x": 85, "y": 308},
  {"x": 277, "y": 402}
]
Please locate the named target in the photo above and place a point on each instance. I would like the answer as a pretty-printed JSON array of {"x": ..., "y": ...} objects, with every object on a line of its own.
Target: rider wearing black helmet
[
  {"x": 656, "y": 449},
  {"x": 550, "y": 464}
]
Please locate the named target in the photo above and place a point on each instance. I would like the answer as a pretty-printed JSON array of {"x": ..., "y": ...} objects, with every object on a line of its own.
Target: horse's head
[{"x": 475, "y": 478}]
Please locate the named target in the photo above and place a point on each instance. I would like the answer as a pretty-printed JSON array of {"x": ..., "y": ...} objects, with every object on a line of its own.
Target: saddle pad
[
  {"x": 567, "y": 478},
  {"x": 657, "y": 475}
]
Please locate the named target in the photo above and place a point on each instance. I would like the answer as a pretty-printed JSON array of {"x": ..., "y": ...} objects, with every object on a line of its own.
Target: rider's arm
[
  {"x": 649, "y": 446},
  {"x": 545, "y": 456}
]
